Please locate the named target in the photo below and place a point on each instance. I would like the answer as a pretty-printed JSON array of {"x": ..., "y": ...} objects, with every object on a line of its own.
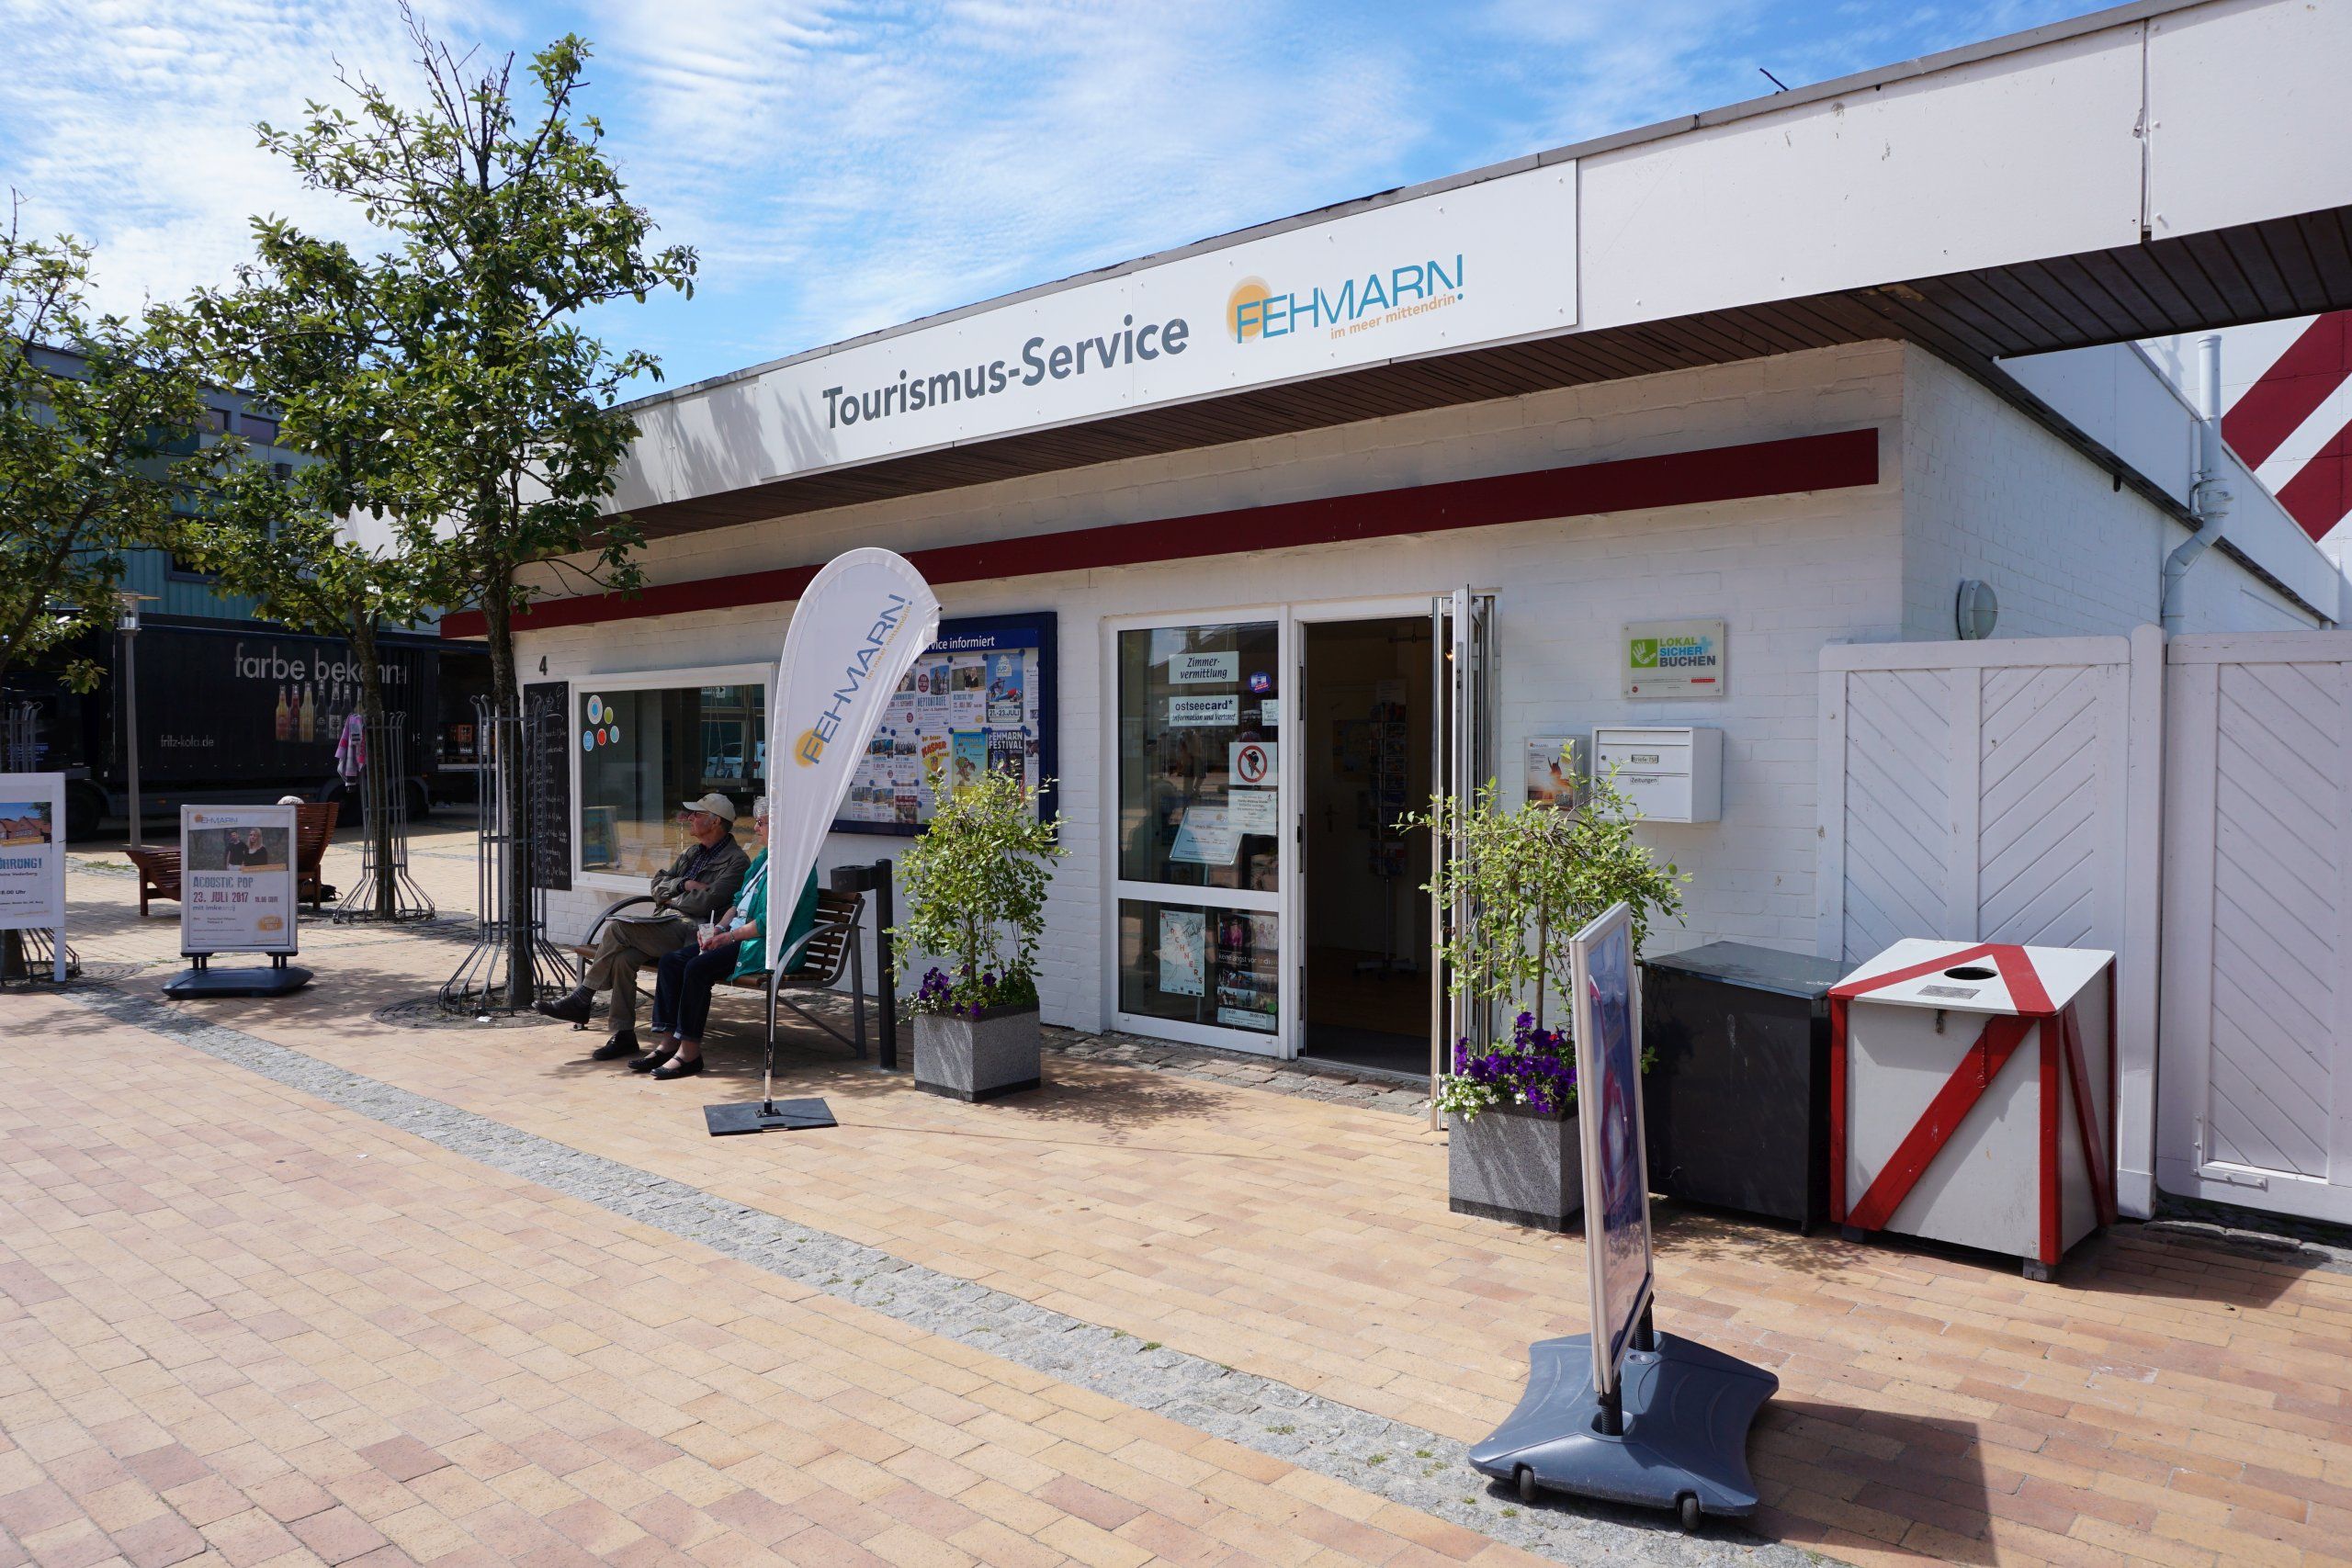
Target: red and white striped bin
[{"x": 1972, "y": 1096}]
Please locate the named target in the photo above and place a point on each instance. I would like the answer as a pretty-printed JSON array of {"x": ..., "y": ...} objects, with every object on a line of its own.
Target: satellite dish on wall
[{"x": 1976, "y": 610}]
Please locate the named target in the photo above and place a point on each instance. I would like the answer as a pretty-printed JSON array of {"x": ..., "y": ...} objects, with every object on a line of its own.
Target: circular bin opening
[{"x": 1970, "y": 972}]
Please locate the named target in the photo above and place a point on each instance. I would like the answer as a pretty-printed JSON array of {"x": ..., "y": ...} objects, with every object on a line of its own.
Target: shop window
[
  {"x": 643, "y": 751},
  {"x": 1190, "y": 963},
  {"x": 1199, "y": 723}
]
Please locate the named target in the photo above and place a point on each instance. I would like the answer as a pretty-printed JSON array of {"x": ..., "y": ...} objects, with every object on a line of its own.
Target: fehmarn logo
[
  {"x": 809, "y": 748},
  {"x": 1254, "y": 310}
]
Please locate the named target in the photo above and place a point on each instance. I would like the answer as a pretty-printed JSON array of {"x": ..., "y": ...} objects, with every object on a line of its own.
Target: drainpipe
[{"x": 2209, "y": 497}]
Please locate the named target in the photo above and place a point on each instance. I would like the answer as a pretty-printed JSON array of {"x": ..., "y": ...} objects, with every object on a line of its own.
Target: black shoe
[
  {"x": 572, "y": 1008},
  {"x": 678, "y": 1070},
  {"x": 622, "y": 1043},
  {"x": 653, "y": 1059}
]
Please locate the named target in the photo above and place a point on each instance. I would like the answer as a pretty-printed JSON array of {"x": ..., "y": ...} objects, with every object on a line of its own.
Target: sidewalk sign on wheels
[
  {"x": 1972, "y": 1096},
  {"x": 1624, "y": 1412},
  {"x": 32, "y": 862},
  {"x": 239, "y": 893}
]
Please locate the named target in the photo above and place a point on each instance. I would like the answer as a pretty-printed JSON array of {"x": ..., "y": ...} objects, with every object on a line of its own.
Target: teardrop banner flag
[{"x": 858, "y": 626}]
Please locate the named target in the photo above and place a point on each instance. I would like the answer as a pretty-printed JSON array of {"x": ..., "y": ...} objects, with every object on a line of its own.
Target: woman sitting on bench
[{"x": 731, "y": 949}]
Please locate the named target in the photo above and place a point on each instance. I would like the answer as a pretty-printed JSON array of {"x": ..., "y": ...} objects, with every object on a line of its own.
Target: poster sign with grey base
[{"x": 1624, "y": 1412}]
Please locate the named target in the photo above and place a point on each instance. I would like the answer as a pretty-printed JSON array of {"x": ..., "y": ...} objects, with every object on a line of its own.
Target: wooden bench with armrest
[
  {"x": 830, "y": 946},
  {"x": 159, "y": 867}
]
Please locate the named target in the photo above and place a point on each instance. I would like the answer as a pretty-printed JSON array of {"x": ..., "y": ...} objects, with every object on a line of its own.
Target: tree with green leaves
[
  {"x": 501, "y": 221},
  {"x": 296, "y": 332},
  {"x": 1529, "y": 880},
  {"x": 100, "y": 417}
]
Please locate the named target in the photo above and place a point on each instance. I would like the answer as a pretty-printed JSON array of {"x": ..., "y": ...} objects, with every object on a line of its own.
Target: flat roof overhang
[
  {"x": 2289, "y": 266},
  {"x": 2161, "y": 167}
]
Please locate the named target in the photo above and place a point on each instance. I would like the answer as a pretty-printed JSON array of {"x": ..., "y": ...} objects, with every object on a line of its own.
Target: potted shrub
[
  {"x": 1529, "y": 880},
  {"x": 976, "y": 897}
]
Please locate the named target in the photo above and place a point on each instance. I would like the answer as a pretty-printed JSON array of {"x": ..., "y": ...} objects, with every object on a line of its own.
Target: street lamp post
[{"x": 127, "y": 624}]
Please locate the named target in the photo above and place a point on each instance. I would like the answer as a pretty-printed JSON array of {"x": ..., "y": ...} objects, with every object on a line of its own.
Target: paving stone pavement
[
  {"x": 1417, "y": 1469},
  {"x": 2177, "y": 1398}
]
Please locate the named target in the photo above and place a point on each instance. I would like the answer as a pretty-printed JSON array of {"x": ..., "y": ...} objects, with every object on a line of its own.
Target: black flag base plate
[
  {"x": 277, "y": 980},
  {"x": 1687, "y": 1410},
  {"x": 768, "y": 1115}
]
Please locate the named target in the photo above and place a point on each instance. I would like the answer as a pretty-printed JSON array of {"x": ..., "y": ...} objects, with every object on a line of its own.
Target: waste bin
[
  {"x": 1738, "y": 1099},
  {"x": 1972, "y": 1096}
]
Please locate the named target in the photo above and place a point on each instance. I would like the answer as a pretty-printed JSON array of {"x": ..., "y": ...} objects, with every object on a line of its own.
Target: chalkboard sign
[{"x": 547, "y": 721}]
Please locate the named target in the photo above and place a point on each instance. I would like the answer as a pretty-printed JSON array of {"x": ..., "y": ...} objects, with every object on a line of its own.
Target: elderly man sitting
[{"x": 698, "y": 884}]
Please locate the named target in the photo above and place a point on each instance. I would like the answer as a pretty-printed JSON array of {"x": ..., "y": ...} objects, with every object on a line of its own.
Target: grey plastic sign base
[
  {"x": 1687, "y": 1411},
  {"x": 767, "y": 1116},
  {"x": 277, "y": 980}
]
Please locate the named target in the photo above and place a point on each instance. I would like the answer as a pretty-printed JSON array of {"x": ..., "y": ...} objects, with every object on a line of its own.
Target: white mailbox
[{"x": 1673, "y": 774}]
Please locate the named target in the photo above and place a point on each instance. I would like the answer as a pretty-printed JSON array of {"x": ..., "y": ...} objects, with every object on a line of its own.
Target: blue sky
[{"x": 846, "y": 167}]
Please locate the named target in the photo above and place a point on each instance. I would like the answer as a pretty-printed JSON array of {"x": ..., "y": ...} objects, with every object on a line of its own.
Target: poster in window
[
  {"x": 1009, "y": 753},
  {"x": 237, "y": 879},
  {"x": 967, "y": 691},
  {"x": 982, "y": 697},
  {"x": 968, "y": 759},
  {"x": 1184, "y": 960},
  {"x": 1008, "y": 708},
  {"x": 1248, "y": 995}
]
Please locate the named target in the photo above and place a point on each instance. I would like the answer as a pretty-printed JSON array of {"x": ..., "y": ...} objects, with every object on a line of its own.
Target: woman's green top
[{"x": 751, "y": 956}]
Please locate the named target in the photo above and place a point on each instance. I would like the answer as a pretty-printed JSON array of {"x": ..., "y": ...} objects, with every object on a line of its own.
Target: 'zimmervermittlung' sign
[{"x": 1676, "y": 658}]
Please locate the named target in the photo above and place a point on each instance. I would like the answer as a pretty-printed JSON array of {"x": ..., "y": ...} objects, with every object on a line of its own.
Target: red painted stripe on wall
[
  {"x": 2320, "y": 495},
  {"x": 1840, "y": 461},
  {"x": 2289, "y": 392}
]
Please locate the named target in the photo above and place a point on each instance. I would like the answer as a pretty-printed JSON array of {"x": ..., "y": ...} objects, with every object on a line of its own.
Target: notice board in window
[
  {"x": 982, "y": 697},
  {"x": 548, "y": 781}
]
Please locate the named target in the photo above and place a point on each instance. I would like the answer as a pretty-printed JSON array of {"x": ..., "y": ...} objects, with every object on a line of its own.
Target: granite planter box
[
  {"x": 1513, "y": 1164},
  {"x": 978, "y": 1058}
]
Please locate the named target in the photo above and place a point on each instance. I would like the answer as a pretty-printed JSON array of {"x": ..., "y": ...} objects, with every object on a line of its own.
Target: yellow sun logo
[{"x": 1248, "y": 290}]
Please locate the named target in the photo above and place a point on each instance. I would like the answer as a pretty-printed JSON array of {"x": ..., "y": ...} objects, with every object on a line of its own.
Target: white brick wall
[
  {"x": 1989, "y": 494},
  {"x": 1789, "y": 573},
  {"x": 1968, "y": 487}
]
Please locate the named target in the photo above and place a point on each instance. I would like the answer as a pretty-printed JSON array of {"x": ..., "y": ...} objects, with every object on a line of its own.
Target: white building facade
[{"x": 1284, "y": 589}]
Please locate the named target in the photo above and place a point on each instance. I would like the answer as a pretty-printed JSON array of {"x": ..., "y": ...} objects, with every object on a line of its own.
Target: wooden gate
[
  {"x": 2002, "y": 791},
  {"x": 2256, "y": 1047}
]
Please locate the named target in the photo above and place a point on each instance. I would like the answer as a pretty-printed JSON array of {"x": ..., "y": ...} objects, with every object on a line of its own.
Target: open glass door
[{"x": 1461, "y": 676}]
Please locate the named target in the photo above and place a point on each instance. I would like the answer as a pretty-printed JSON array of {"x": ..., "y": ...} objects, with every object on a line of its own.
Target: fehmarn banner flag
[{"x": 857, "y": 628}]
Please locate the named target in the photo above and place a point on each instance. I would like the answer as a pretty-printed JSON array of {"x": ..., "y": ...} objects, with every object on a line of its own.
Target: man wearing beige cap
[{"x": 699, "y": 883}]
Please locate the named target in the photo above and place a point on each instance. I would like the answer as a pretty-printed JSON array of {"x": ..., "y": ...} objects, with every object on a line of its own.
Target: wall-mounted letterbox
[{"x": 1671, "y": 774}]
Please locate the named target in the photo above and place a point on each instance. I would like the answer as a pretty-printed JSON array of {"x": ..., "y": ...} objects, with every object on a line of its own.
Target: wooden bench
[
  {"x": 159, "y": 868},
  {"x": 830, "y": 946}
]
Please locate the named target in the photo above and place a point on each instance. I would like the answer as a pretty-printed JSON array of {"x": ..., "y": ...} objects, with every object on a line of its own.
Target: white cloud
[{"x": 847, "y": 166}]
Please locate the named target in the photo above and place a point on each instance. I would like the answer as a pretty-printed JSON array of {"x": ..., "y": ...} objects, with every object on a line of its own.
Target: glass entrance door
[{"x": 1202, "y": 827}]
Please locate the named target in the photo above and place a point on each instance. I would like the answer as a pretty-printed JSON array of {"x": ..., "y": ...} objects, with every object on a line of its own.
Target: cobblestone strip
[{"x": 1406, "y": 1464}]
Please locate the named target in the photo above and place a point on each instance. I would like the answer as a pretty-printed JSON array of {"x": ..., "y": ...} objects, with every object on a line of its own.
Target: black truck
[{"x": 245, "y": 712}]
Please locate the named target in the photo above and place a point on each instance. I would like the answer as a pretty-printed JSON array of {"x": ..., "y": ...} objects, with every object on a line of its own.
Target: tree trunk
[
  {"x": 522, "y": 988},
  {"x": 374, "y": 725}
]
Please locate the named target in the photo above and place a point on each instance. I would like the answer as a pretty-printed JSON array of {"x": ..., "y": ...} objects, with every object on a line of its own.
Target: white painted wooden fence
[
  {"x": 2003, "y": 791},
  {"x": 2257, "y": 1044}
]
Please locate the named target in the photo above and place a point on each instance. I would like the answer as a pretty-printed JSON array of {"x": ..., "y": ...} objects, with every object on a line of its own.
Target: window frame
[
  {"x": 1118, "y": 889},
  {"x": 585, "y": 686}
]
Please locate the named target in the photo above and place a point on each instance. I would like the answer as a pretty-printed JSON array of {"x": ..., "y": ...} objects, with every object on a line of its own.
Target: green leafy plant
[
  {"x": 499, "y": 222},
  {"x": 99, "y": 447},
  {"x": 976, "y": 895},
  {"x": 1525, "y": 882}
]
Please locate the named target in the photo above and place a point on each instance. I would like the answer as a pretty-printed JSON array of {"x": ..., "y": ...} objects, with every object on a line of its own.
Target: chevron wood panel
[
  {"x": 1898, "y": 820},
  {"x": 2280, "y": 767}
]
